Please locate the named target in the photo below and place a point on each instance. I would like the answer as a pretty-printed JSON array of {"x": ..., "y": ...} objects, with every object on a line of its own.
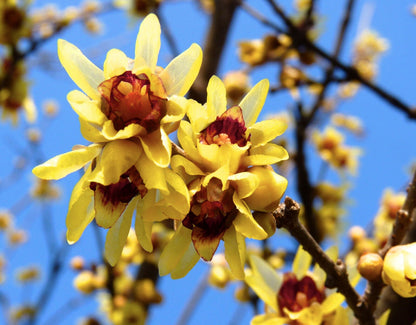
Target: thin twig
[{"x": 287, "y": 217}]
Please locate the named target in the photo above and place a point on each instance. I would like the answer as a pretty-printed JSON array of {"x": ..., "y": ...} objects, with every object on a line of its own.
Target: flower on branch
[
  {"x": 226, "y": 168},
  {"x": 127, "y": 112}
]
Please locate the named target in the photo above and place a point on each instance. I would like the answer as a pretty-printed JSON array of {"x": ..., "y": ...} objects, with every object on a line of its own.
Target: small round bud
[
  {"x": 84, "y": 282},
  {"x": 370, "y": 266},
  {"x": 77, "y": 263},
  {"x": 356, "y": 233}
]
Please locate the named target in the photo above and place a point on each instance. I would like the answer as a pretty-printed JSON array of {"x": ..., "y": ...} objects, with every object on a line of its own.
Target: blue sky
[{"x": 388, "y": 145}]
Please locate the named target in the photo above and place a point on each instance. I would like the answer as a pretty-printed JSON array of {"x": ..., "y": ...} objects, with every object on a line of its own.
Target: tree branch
[{"x": 287, "y": 217}]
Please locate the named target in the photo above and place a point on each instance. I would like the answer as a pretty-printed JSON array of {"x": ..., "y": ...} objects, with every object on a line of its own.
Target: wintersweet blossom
[
  {"x": 127, "y": 112},
  {"x": 297, "y": 297},
  {"x": 399, "y": 269},
  {"x": 225, "y": 166}
]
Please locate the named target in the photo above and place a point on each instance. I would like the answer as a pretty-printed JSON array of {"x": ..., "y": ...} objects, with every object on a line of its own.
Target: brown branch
[
  {"x": 399, "y": 235},
  {"x": 351, "y": 73},
  {"x": 337, "y": 277},
  {"x": 215, "y": 41}
]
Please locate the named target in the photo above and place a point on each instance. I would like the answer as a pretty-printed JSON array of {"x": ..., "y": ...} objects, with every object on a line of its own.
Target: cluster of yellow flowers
[
  {"x": 367, "y": 50},
  {"x": 209, "y": 185}
]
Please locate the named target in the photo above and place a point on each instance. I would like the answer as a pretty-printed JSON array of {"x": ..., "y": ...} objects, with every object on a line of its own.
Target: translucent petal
[
  {"x": 153, "y": 176},
  {"x": 117, "y": 235},
  {"x": 264, "y": 281},
  {"x": 90, "y": 132},
  {"x": 301, "y": 263},
  {"x": 144, "y": 233},
  {"x": 81, "y": 70},
  {"x": 393, "y": 265},
  {"x": 216, "y": 98},
  {"x": 272, "y": 279},
  {"x": 267, "y": 154},
  {"x": 116, "y": 63},
  {"x": 87, "y": 109},
  {"x": 157, "y": 147},
  {"x": 181, "y": 72},
  {"x": 265, "y": 131},
  {"x": 174, "y": 250},
  {"x": 245, "y": 183},
  {"x": 245, "y": 223},
  {"x": 148, "y": 42},
  {"x": 179, "y": 195},
  {"x": 80, "y": 210},
  {"x": 117, "y": 157},
  {"x": 235, "y": 252},
  {"x": 64, "y": 164},
  {"x": 187, "y": 262},
  {"x": 253, "y": 102},
  {"x": 332, "y": 302}
]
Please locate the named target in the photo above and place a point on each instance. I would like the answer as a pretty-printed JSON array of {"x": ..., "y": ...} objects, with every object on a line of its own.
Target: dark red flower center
[
  {"x": 227, "y": 128},
  {"x": 212, "y": 213},
  {"x": 296, "y": 295},
  {"x": 129, "y": 185},
  {"x": 127, "y": 99}
]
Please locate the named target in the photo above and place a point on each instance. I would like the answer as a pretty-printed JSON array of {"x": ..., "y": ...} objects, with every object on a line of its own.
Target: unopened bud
[{"x": 370, "y": 266}]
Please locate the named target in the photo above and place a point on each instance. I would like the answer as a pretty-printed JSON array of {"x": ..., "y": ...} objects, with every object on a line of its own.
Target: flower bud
[
  {"x": 84, "y": 282},
  {"x": 370, "y": 266},
  {"x": 267, "y": 195},
  {"x": 399, "y": 270}
]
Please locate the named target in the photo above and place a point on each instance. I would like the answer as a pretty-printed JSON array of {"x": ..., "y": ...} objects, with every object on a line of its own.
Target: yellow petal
[
  {"x": 393, "y": 264},
  {"x": 311, "y": 315},
  {"x": 267, "y": 154},
  {"x": 186, "y": 140},
  {"x": 87, "y": 109},
  {"x": 175, "y": 111},
  {"x": 205, "y": 245},
  {"x": 174, "y": 250},
  {"x": 90, "y": 132},
  {"x": 332, "y": 302},
  {"x": 116, "y": 63},
  {"x": 187, "y": 262},
  {"x": 264, "y": 281},
  {"x": 131, "y": 130},
  {"x": 157, "y": 147},
  {"x": 81, "y": 70},
  {"x": 235, "y": 252},
  {"x": 245, "y": 183},
  {"x": 117, "y": 235},
  {"x": 301, "y": 263},
  {"x": 81, "y": 209},
  {"x": 216, "y": 98},
  {"x": 198, "y": 116},
  {"x": 189, "y": 167},
  {"x": 244, "y": 222},
  {"x": 64, "y": 164},
  {"x": 268, "y": 319},
  {"x": 152, "y": 175},
  {"x": 221, "y": 173},
  {"x": 181, "y": 72},
  {"x": 117, "y": 157},
  {"x": 179, "y": 196},
  {"x": 265, "y": 131},
  {"x": 107, "y": 212},
  {"x": 144, "y": 233},
  {"x": 253, "y": 102},
  {"x": 148, "y": 42}
]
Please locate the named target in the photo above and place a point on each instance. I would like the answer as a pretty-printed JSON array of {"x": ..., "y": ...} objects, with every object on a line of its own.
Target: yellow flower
[
  {"x": 399, "y": 269},
  {"x": 224, "y": 168},
  {"x": 127, "y": 113},
  {"x": 386, "y": 216},
  {"x": 297, "y": 297}
]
